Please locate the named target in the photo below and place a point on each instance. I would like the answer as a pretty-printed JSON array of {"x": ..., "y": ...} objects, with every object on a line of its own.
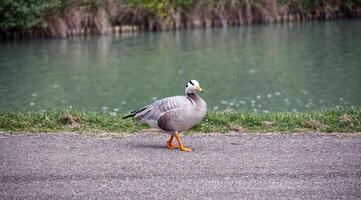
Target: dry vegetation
[{"x": 71, "y": 18}]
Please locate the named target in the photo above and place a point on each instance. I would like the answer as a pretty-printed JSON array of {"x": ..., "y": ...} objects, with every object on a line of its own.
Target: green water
[{"x": 261, "y": 68}]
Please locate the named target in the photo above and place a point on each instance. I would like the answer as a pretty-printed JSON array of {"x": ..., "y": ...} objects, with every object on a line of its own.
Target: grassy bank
[
  {"x": 67, "y": 18},
  {"x": 333, "y": 120}
]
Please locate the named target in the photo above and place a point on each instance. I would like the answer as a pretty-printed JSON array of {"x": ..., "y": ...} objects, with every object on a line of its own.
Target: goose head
[{"x": 193, "y": 86}]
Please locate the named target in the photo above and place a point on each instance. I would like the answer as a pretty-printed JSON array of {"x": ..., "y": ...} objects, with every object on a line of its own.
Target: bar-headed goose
[{"x": 174, "y": 114}]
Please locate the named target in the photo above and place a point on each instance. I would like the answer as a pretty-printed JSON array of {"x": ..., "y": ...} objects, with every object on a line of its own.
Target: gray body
[{"x": 173, "y": 114}]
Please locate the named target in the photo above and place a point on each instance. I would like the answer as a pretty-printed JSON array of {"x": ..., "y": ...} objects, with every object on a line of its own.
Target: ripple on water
[
  {"x": 252, "y": 71},
  {"x": 224, "y": 102},
  {"x": 303, "y": 91}
]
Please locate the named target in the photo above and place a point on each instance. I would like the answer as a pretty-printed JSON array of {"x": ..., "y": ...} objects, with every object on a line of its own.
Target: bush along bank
[{"x": 67, "y": 18}]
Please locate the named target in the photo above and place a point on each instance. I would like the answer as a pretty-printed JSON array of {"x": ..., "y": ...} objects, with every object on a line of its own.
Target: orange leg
[
  {"x": 169, "y": 143},
  {"x": 181, "y": 147}
]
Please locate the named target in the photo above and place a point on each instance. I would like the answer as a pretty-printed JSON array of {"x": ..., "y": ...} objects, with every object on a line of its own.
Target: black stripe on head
[{"x": 191, "y": 82}]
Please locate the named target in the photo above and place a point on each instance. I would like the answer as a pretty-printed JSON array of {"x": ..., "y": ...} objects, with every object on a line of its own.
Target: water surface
[{"x": 261, "y": 68}]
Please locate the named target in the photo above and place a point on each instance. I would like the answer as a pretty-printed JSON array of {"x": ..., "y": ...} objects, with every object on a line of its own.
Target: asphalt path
[{"x": 238, "y": 166}]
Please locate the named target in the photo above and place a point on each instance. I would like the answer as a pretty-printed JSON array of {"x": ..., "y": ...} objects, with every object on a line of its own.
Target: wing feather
[
  {"x": 157, "y": 109},
  {"x": 165, "y": 121}
]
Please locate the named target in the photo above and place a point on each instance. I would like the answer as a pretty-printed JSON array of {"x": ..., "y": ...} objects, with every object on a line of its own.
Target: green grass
[{"x": 332, "y": 120}]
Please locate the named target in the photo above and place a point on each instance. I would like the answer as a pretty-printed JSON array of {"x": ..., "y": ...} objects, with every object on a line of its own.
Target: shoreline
[{"x": 346, "y": 120}]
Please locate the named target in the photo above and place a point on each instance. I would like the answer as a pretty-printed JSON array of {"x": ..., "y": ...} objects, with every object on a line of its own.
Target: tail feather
[
  {"x": 131, "y": 115},
  {"x": 134, "y": 112}
]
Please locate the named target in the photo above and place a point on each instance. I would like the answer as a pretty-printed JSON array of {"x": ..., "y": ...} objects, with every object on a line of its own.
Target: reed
[{"x": 69, "y": 18}]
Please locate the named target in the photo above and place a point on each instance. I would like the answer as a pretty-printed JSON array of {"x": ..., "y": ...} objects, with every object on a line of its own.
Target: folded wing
[{"x": 167, "y": 107}]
